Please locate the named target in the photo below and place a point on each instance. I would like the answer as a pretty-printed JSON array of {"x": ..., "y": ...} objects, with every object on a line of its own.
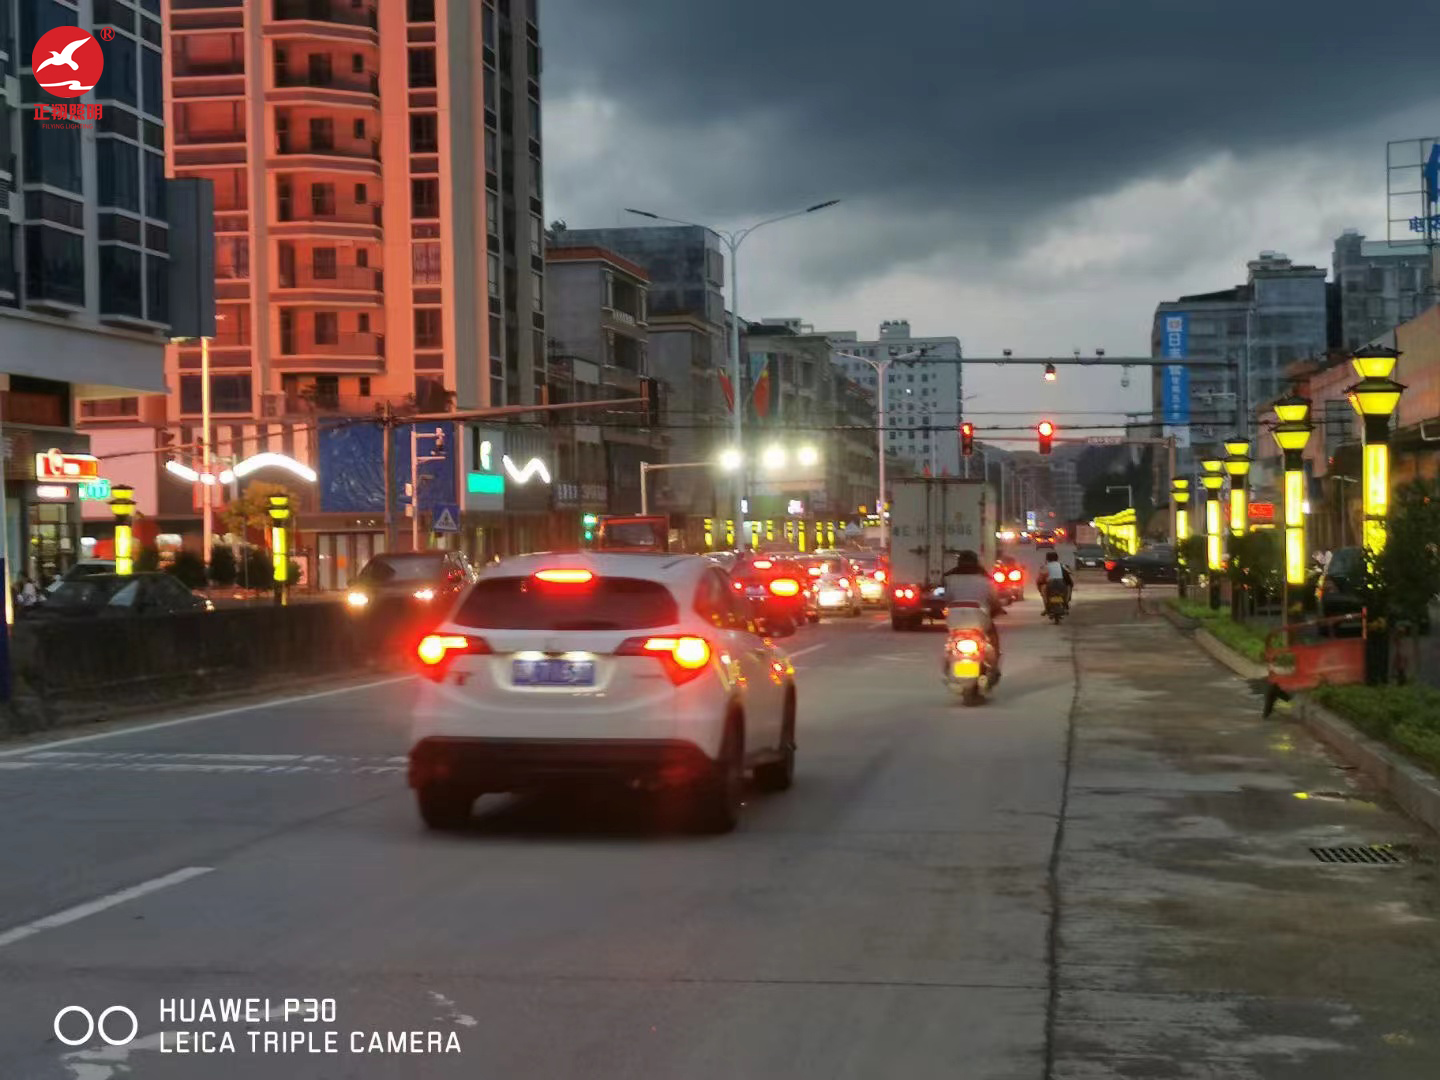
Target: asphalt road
[{"x": 892, "y": 915}]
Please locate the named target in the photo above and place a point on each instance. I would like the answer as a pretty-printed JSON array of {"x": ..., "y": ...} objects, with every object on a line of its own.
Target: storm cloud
[{"x": 1117, "y": 152}]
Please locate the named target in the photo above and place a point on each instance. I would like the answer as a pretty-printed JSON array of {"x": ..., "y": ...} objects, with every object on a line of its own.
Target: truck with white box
[{"x": 932, "y": 519}]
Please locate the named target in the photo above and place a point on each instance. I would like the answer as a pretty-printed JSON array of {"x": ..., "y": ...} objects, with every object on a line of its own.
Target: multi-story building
[
  {"x": 924, "y": 401},
  {"x": 1260, "y": 328},
  {"x": 351, "y": 143},
  {"x": 1380, "y": 286},
  {"x": 86, "y": 255},
  {"x": 599, "y": 350}
]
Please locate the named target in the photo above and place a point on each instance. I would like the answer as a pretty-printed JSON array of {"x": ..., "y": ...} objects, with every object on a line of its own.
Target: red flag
[
  {"x": 762, "y": 393},
  {"x": 728, "y": 390}
]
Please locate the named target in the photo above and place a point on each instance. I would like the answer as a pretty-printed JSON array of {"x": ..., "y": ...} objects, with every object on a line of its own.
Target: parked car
[
  {"x": 641, "y": 670},
  {"x": 109, "y": 595},
  {"x": 1089, "y": 557},
  {"x": 83, "y": 569},
  {"x": 424, "y": 580},
  {"x": 1154, "y": 565}
]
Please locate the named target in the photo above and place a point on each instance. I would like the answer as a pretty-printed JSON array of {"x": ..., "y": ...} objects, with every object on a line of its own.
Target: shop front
[{"x": 44, "y": 501}]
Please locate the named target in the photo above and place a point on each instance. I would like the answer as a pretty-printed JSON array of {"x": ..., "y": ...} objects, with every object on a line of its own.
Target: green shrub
[
  {"x": 189, "y": 568},
  {"x": 223, "y": 567},
  {"x": 1406, "y": 717}
]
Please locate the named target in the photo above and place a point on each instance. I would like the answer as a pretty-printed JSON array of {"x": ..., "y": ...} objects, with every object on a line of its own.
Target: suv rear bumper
[{"x": 508, "y": 764}]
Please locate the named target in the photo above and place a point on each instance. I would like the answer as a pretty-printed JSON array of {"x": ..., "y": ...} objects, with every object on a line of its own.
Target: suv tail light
[
  {"x": 684, "y": 658},
  {"x": 565, "y": 576},
  {"x": 783, "y": 586},
  {"x": 435, "y": 651},
  {"x": 906, "y": 592},
  {"x": 999, "y": 576},
  {"x": 1015, "y": 575},
  {"x": 1109, "y": 564},
  {"x": 879, "y": 575}
]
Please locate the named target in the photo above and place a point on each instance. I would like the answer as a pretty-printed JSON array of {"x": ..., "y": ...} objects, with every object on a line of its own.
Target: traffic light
[
  {"x": 1046, "y": 430},
  {"x": 1050, "y": 374},
  {"x": 967, "y": 438},
  {"x": 587, "y": 524}
]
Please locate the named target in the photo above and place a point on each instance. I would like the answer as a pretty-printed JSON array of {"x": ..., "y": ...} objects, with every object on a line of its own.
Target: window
[
  {"x": 362, "y": 257},
  {"x": 362, "y": 194},
  {"x": 357, "y": 64},
  {"x": 492, "y": 213},
  {"x": 490, "y": 152},
  {"x": 120, "y": 277},
  {"x": 488, "y": 21},
  {"x": 322, "y": 133},
  {"x": 425, "y": 264},
  {"x": 322, "y": 69},
  {"x": 422, "y": 11},
  {"x": 359, "y": 128},
  {"x": 537, "y": 285},
  {"x": 120, "y": 79},
  {"x": 537, "y": 188},
  {"x": 489, "y": 91},
  {"x": 155, "y": 202},
  {"x": 324, "y": 263},
  {"x": 229, "y": 394},
  {"x": 534, "y": 118},
  {"x": 428, "y": 333},
  {"x": 611, "y": 603},
  {"x": 118, "y": 167},
  {"x": 38, "y": 17},
  {"x": 152, "y": 71},
  {"x": 492, "y": 263},
  {"x": 55, "y": 265},
  {"x": 365, "y": 379},
  {"x": 422, "y": 67},
  {"x": 425, "y": 197},
  {"x": 362, "y": 323},
  {"x": 232, "y": 257},
  {"x": 322, "y": 200},
  {"x": 53, "y": 157},
  {"x": 424, "y": 133},
  {"x": 327, "y": 328},
  {"x": 537, "y": 235}
]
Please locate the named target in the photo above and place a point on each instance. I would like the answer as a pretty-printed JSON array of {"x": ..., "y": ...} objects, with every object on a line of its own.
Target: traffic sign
[
  {"x": 1262, "y": 511},
  {"x": 447, "y": 519}
]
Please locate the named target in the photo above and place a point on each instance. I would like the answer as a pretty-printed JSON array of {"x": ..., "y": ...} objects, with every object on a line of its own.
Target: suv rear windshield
[
  {"x": 1089, "y": 550},
  {"x": 384, "y": 569},
  {"x": 607, "y": 603}
]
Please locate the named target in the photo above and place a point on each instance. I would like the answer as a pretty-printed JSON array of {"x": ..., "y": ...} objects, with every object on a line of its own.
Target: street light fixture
[
  {"x": 809, "y": 457},
  {"x": 1213, "y": 480},
  {"x": 1237, "y": 465},
  {"x": 730, "y": 459},
  {"x": 732, "y": 241},
  {"x": 1291, "y": 434},
  {"x": 1375, "y": 398},
  {"x": 1050, "y": 375},
  {"x": 774, "y": 457}
]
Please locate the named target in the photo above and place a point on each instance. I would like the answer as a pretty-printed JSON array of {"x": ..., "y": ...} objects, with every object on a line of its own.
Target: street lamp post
[
  {"x": 122, "y": 502},
  {"x": 732, "y": 241},
  {"x": 280, "y": 546},
  {"x": 882, "y": 377},
  {"x": 729, "y": 461},
  {"x": 1292, "y": 432},
  {"x": 1375, "y": 397},
  {"x": 1237, "y": 465},
  {"x": 1179, "y": 498},
  {"x": 1213, "y": 480}
]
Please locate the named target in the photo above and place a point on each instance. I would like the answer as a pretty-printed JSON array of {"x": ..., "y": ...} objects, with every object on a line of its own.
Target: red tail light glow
[
  {"x": 815, "y": 571},
  {"x": 879, "y": 575},
  {"x": 684, "y": 657},
  {"x": 565, "y": 576},
  {"x": 844, "y": 582},
  {"x": 783, "y": 586},
  {"x": 906, "y": 592},
  {"x": 436, "y": 650},
  {"x": 1015, "y": 575},
  {"x": 968, "y": 647},
  {"x": 999, "y": 575},
  {"x": 762, "y": 564},
  {"x": 1109, "y": 564}
]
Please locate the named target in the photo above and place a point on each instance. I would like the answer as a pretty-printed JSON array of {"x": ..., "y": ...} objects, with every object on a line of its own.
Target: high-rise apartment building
[
  {"x": 924, "y": 400},
  {"x": 1380, "y": 286}
]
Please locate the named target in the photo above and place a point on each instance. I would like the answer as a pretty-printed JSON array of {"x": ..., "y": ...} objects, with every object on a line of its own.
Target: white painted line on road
[
  {"x": 236, "y": 711},
  {"x": 809, "y": 649},
  {"x": 94, "y": 907}
]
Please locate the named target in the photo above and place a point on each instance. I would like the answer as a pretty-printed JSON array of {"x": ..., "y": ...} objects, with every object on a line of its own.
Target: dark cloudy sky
[{"x": 1031, "y": 174}]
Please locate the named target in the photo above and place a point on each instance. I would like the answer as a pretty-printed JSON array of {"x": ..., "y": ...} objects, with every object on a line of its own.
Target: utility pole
[
  {"x": 438, "y": 435},
  {"x": 387, "y": 423},
  {"x": 207, "y": 485}
]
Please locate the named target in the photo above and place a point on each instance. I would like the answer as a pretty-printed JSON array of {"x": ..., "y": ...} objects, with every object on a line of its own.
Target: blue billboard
[
  {"x": 352, "y": 473},
  {"x": 1176, "y": 393},
  {"x": 1175, "y": 336}
]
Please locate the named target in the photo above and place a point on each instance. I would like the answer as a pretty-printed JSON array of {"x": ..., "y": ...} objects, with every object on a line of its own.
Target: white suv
[{"x": 638, "y": 668}]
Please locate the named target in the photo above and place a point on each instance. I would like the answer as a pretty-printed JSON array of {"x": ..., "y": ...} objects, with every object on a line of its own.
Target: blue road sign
[
  {"x": 1432, "y": 176},
  {"x": 447, "y": 519},
  {"x": 1176, "y": 394}
]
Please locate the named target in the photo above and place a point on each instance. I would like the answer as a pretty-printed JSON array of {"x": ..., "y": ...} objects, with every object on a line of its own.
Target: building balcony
[
  {"x": 293, "y": 153},
  {"x": 206, "y": 15},
  {"x": 324, "y": 403},
  {"x": 208, "y": 88},
  {"x": 345, "y": 83},
  {"x": 330, "y": 15},
  {"x": 184, "y": 138},
  {"x": 343, "y": 279},
  {"x": 186, "y": 68},
  {"x": 306, "y": 212},
  {"x": 348, "y": 352}
]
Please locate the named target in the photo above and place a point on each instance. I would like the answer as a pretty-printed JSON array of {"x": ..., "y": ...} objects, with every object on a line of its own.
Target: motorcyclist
[
  {"x": 1055, "y": 574},
  {"x": 968, "y": 582}
]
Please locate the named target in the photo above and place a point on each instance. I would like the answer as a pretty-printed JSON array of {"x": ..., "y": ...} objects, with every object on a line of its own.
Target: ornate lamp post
[
  {"x": 1180, "y": 497},
  {"x": 1292, "y": 432},
  {"x": 280, "y": 545},
  {"x": 122, "y": 502},
  {"x": 1237, "y": 465},
  {"x": 1375, "y": 397},
  {"x": 1213, "y": 480}
]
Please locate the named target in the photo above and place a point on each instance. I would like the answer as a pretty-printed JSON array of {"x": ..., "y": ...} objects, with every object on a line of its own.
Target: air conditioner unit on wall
[{"x": 272, "y": 405}]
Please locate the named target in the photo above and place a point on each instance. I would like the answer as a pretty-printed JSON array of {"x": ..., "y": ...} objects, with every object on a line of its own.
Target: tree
[
  {"x": 259, "y": 568},
  {"x": 147, "y": 559},
  {"x": 189, "y": 568},
  {"x": 252, "y": 509},
  {"x": 223, "y": 567},
  {"x": 1407, "y": 572}
]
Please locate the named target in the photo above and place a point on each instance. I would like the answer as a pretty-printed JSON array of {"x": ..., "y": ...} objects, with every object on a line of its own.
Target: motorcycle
[
  {"x": 970, "y": 660},
  {"x": 1055, "y": 606}
]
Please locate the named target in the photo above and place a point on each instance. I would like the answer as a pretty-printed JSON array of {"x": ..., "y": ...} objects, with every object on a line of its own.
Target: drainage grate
[{"x": 1368, "y": 855}]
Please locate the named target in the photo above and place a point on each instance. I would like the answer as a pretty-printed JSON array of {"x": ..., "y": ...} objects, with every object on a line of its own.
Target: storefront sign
[
  {"x": 57, "y": 466},
  {"x": 95, "y": 490},
  {"x": 53, "y": 491},
  {"x": 1262, "y": 511}
]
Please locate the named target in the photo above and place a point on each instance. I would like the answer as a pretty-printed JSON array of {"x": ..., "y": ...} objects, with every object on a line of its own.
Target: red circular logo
[{"x": 67, "y": 61}]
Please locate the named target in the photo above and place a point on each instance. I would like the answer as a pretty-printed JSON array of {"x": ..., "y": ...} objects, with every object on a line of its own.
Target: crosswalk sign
[{"x": 447, "y": 519}]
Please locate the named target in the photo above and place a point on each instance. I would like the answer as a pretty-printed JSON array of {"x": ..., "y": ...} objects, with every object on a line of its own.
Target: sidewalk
[{"x": 1199, "y": 936}]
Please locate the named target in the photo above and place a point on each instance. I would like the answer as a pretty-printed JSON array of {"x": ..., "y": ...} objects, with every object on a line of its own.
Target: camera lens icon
[{"x": 103, "y": 1024}]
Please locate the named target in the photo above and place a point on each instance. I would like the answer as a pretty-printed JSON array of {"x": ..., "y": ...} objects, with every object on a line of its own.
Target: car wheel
[
  {"x": 898, "y": 623},
  {"x": 444, "y": 808},
  {"x": 719, "y": 796},
  {"x": 813, "y": 618},
  {"x": 780, "y": 775}
]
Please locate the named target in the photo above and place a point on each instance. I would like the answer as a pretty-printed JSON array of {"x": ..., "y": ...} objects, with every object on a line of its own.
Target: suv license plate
[{"x": 553, "y": 672}]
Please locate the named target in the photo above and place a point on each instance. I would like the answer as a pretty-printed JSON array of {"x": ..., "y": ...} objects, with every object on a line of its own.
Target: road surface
[{"x": 1102, "y": 872}]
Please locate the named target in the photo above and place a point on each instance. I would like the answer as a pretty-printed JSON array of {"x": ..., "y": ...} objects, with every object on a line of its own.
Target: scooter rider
[
  {"x": 968, "y": 583},
  {"x": 1055, "y": 575}
]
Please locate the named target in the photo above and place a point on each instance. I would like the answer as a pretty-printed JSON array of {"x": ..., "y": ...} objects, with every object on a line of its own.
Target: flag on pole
[
  {"x": 762, "y": 387},
  {"x": 728, "y": 390}
]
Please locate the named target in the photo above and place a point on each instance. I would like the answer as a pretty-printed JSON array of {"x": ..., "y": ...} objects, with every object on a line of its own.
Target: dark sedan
[
  {"x": 1154, "y": 565},
  {"x": 413, "y": 581},
  {"x": 1089, "y": 557},
  {"x": 109, "y": 595}
]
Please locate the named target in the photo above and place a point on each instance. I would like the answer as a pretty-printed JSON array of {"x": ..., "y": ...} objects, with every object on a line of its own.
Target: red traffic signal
[
  {"x": 1046, "y": 430},
  {"x": 967, "y": 438}
]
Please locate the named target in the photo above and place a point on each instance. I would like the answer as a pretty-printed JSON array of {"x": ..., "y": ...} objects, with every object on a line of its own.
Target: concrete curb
[
  {"x": 1414, "y": 790},
  {"x": 1240, "y": 665}
]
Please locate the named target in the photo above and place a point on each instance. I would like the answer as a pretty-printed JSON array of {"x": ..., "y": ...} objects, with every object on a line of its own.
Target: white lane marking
[
  {"x": 94, "y": 907},
  {"x": 113, "y": 755},
  {"x": 236, "y": 711},
  {"x": 246, "y": 764},
  {"x": 808, "y": 649}
]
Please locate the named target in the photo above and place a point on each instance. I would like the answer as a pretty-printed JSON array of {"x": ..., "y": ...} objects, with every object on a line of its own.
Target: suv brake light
[
  {"x": 684, "y": 657},
  {"x": 1015, "y": 575},
  {"x": 762, "y": 564},
  {"x": 436, "y": 650},
  {"x": 565, "y": 576},
  {"x": 785, "y": 587},
  {"x": 879, "y": 575},
  {"x": 999, "y": 575},
  {"x": 1109, "y": 564}
]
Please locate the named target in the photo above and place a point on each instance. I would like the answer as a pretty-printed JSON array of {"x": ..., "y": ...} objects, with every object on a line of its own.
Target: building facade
[
  {"x": 85, "y": 267},
  {"x": 1380, "y": 286},
  {"x": 925, "y": 400}
]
